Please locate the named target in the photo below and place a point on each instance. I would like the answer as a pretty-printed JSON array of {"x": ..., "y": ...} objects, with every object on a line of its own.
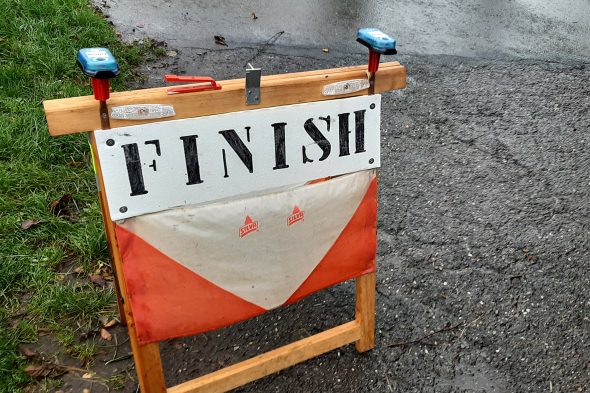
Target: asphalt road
[{"x": 484, "y": 187}]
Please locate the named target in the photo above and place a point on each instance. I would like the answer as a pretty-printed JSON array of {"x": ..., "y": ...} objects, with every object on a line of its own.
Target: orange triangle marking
[
  {"x": 169, "y": 300},
  {"x": 353, "y": 253}
]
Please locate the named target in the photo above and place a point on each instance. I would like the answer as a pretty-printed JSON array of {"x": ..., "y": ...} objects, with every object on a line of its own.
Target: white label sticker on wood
[{"x": 158, "y": 166}]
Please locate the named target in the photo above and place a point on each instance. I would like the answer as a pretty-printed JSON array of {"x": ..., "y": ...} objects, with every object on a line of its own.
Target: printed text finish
[{"x": 157, "y": 166}]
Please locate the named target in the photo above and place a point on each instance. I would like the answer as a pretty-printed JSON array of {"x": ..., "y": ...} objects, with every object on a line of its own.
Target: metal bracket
[{"x": 253, "y": 85}]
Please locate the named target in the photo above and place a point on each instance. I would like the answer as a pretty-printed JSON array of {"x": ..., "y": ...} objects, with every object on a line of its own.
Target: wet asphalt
[{"x": 484, "y": 187}]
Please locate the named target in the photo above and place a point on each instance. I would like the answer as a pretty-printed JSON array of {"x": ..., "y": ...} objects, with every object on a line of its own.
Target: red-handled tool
[
  {"x": 100, "y": 65},
  {"x": 379, "y": 44},
  {"x": 208, "y": 83}
]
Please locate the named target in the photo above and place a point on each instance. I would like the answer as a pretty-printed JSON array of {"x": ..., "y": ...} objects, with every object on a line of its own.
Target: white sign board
[{"x": 158, "y": 166}]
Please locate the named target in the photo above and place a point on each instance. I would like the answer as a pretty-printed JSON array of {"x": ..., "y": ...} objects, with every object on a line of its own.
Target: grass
[{"x": 38, "y": 44}]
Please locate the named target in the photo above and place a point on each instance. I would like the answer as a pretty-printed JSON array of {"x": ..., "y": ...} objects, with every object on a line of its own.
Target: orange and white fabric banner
[{"x": 201, "y": 267}]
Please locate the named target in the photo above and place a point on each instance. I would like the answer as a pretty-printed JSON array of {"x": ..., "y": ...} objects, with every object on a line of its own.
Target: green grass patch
[{"x": 38, "y": 45}]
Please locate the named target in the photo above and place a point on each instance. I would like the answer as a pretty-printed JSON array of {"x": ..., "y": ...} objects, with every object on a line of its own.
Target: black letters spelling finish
[
  {"x": 280, "y": 152},
  {"x": 318, "y": 138},
  {"x": 344, "y": 131},
  {"x": 359, "y": 130},
  {"x": 191, "y": 159},
  {"x": 134, "y": 169},
  {"x": 239, "y": 147}
]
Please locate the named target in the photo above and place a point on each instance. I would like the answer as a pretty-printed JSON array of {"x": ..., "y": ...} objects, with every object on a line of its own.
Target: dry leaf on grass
[
  {"x": 29, "y": 224},
  {"x": 110, "y": 323},
  {"x": 65, "y": 207},
  {"x": 44, "y": 370},
  {"x": 97, "y": 279},
  {"x": 105, "y": 335},
  {"x": 87, "y": 375},
  {"x": 104, "y": 270},
  {"x": 28, "y": 352},
  {"x": 38, "y": 371},
  {"x": 106, "y": 322},
  {"x": 59, "y": 207}
]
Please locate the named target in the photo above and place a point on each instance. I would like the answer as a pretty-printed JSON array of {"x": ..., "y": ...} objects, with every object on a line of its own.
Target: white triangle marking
[{"x": 267, "y": 266}]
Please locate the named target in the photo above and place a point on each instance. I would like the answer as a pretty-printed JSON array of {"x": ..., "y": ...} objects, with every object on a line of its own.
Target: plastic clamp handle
[{"x": 210, "y": 83}]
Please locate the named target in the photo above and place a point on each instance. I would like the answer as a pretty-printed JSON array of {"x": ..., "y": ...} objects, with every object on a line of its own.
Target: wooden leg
[
  {"x": 122, "y": 316},
  {"x": 148, "y": 363},
  {"x": 148, "y": 366},
  {"x": 365, "y": 311},
  {"x": 112, "y": 251}
]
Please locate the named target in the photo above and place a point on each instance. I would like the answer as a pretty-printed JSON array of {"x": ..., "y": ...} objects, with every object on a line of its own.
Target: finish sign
[{"x": 158, "y": 166}]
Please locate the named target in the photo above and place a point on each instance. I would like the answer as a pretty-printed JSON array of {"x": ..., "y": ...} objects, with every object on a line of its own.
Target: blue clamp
[
  {"x": 98, "y": 63},
  {"x": 376, "y": 41}
]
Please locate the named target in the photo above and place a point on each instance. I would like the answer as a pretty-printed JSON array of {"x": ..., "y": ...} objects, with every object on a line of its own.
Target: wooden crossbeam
[
  {"x": 361, "y": 331},
  {"x": 273, "y": 361},
  {"x": 80, "y": 114}
]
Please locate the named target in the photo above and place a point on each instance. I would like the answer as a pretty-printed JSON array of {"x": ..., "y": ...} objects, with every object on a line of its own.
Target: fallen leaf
[
  {"x": 254, "y": 16},
  {"x": 39, "y": 371},
  {"x": 220, "y": 40},
  {"x": 58, "y": 205},
  {"x": 110, "y": 323},
  {"x": 105, "y": 335},
  {"x": 326, "y": 50},
  {"x": 45, "y": 370},
  {"x": 65, "y": 207},
  {"x": 28, "y": 352},
  {"x": 97, "y": 280},
  {"x": 87, "y": 375},
  {"x": 29, "y": 223}
]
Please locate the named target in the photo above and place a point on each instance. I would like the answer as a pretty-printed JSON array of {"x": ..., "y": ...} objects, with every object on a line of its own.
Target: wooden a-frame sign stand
[{"x": 80, "y": 114}]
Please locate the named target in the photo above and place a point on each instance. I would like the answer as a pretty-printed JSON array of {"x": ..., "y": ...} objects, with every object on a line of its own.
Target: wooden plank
[
  {"x": 80, "y": 114},
  {"x": 365, "y": 311},
  {"x": 105, "y": 220},
  {"x": 273, "y": 361},
  {"x": 148, "y": 364}
]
